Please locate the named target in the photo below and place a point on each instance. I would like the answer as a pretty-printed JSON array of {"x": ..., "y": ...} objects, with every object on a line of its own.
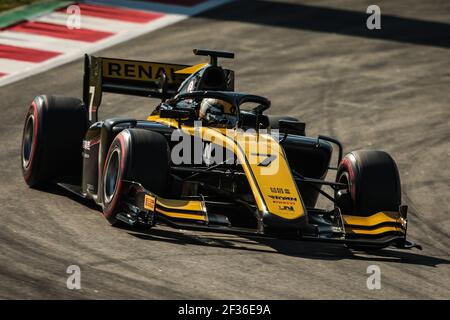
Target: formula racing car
[{"x": 208, "y": 158}]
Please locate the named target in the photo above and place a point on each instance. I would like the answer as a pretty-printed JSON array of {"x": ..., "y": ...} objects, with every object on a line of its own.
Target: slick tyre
[
  {"x": 373, "y": 183},
  {"x": 52, "y": 139},
  {"x": 135, "y": 155}
]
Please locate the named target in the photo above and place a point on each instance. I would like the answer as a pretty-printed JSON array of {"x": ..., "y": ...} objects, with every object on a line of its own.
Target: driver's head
[{"x": 216, "y": 111}]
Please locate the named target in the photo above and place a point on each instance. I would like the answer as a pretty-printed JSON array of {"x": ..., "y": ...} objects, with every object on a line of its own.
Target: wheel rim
[
  {"x": 344, "y": 178},
  {"x": 28, "y": 139},
  {"x": 112, "y": 175}
]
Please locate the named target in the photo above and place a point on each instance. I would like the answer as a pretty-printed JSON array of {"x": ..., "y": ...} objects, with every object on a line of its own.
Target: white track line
[
  {"x": 97, "y": 46},
  {"x": 14, "y": 66},
  {"x": 34, "y": 41},
  {"x": 88, "y": 22},
  {"x": 168, "y": 19}
]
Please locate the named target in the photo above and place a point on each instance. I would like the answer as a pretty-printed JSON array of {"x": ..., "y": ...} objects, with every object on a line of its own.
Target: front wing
[{"x": 379, "y": 230}]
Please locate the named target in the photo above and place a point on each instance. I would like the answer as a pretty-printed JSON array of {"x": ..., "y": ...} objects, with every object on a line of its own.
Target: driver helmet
[{"x": 216, "y": 111}]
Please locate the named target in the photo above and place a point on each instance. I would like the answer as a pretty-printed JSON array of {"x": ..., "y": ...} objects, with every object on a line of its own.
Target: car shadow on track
[
  {"x": 59, "y": 191},
  {"x": 299, "y": 249},
  {"x": 338, "y": 252},
  {"x": 298, "y": 16}
]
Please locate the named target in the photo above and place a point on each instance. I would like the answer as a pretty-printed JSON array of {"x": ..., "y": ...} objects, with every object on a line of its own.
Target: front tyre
[
  {"x": 373, "y": 183},
  {"x": 135, "y": 155}
]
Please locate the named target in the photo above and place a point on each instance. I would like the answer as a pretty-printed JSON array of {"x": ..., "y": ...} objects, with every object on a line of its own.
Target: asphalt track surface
[{"x": 315, "y": 61}]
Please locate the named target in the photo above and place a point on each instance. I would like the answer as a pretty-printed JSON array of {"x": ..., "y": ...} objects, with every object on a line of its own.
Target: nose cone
[{"x": 275, "y": 221}]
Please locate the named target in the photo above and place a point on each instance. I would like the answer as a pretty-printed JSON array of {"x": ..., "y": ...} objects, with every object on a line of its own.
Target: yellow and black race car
[{"x": 208, "y": 158}]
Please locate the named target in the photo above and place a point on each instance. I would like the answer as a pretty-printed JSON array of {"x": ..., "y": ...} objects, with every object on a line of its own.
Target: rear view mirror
[
  {"x": 260, "y": 108},
  {"x": 292, "y": 127},
  {"x": 175, "y": 114}
]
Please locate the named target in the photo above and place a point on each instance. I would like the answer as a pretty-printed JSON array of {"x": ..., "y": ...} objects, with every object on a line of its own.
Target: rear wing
[{"x": 132, "y": 77}]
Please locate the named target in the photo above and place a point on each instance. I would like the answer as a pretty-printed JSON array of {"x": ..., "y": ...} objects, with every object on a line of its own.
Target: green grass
[{"x": 10, "y": 4}]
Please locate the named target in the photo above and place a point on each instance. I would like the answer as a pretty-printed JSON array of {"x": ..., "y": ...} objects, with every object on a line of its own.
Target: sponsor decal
[
  {"x": 286, "y": 208},
  {"x": 285, "y": 203},
  {"x": 149, "y": 202},
  {"x": 87, "y": 144},
  {"x": 283, "y": 198},
  {"x": 138, "y": 70},
  {"x": 280, "y": 190}
]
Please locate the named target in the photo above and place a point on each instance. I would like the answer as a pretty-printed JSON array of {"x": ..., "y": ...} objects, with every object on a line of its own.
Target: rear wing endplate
[{"x": 132, "y": 77}]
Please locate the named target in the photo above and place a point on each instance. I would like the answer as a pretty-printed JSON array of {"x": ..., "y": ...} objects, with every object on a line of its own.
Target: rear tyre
[
  {"x": 373, "y": 183},
  {"x": 52, "y": 139},
  {"x": 136, "y": 155},
  {"x": 273, "y": 120}
]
